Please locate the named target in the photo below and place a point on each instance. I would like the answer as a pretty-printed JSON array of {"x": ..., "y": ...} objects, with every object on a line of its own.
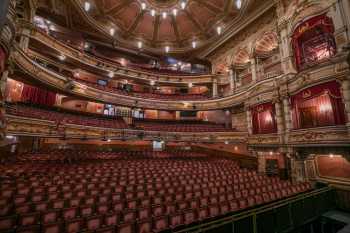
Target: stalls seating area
[
  {"x": 180, "y": 126},
  {"x": 126, "y": 192},
  {"x": 66, "y": 118}
]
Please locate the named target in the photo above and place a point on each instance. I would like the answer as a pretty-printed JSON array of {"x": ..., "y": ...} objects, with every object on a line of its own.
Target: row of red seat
[
  {"x": 147, "y": 95},
  {"x": 180, "y": 126},
  {"x": 66, "y": 118},
  {"x": 129, "y": 193}
]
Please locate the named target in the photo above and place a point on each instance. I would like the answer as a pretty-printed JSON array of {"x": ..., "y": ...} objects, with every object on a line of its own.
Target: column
[
  {"x": 286, "y": 51},
  {"x": 253, "y": 69},
  {"x": 215, "y": 88},
  {"x": 279, "y": 117},
  {"x": 346, "y": 98},
  {"x": 249, "y": 121},
  {"x": 287, "y": 114},
  {"x": 24, "y": 41},
  {"x": 231, "y": 77}
]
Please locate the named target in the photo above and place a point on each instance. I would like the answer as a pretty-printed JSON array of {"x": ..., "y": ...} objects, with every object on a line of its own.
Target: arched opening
[{"x": 313, "y": 41}]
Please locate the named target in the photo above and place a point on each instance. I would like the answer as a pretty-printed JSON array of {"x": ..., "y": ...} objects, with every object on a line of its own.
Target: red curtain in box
[
  {"x": 264, "y": 119},
  {"x": 37, "y": 95},
  {"x": 317, "y": 106},
  {"x": 312, "y": 36}
]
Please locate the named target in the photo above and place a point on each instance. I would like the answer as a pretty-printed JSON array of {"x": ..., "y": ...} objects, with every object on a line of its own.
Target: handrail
[
  {"x": 236, "y": 216},
  {"x": 87, "y": 58}
]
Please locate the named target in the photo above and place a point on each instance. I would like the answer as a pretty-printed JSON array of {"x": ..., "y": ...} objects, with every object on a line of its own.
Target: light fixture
[
  {"x": 164, "y": 15},
  {"x": 271, "y": 153},
  {"x": 219, "y": 30},
  {"x": 194, "y": 44},
  {"x": 143, "y": 6},
  {"x": 190, "y": 85},
  {"x": 111, "y": 74},
  {"x": 139, "y": 44},
  {"x": 236, "y": 148},
  {"x": 238, "y": 4},
  {"x": 87, "y": 6},
  {"x": 175, "y": 12},
  {"x": 331, "y": 155},
  {"x": 108, "y": 140},
  {"x": 153, "y": 12},
  {"x": 167, "y": 49},
  {"x": 112, "y": 31},
  {"x": 183, "y": 4},
  {"x": 226, "y": 142},
  {"x": 76, "y": 74},
  {"x": 62, "y": 57},
  {"x": 52, "y": 28},
  {"x": 152, "y": 82},
  {"x": 86, "y": 45}
]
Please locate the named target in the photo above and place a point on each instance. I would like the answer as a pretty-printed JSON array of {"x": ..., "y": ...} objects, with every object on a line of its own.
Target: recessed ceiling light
[
  {"x": 219, "y": 30},
  {"x": 112, "y": 31},
  {"x": 143, "y": 6},
  {"x": 194, "y": 44},
  {"x": 167, "y": 49},
  {"x": 153, "y": 12},
  {"x": 139, "y": 44},
  {"x": 111, "y": 74},
  {"x": 62, "y": 57},
  {"x": 183, "y": 4},
  {"x": 238, "y": 4},
  {"x": 87, "y": 6},
  {"x": 175, "y": 12}
]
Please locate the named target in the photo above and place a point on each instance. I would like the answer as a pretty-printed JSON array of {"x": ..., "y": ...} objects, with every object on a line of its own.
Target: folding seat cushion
[
  {"x": 41, "y": 206},
  {"x": 213, "y": 210},
  {"x": 93, "y": 223},
  {"x": 158, "y": 210},
  {"x": 143, "y": 213},
  {"x": 183, "y": 205},
  {"x": 115, "y": 197},
  {"x": 70, "y": 213},
  {"x": 203, "y": 213},
  {"x": 58, "y": 204},
  {"x": 203, "y": 201},
  {"x": 7, "y": 223},
  {"x": 74, "y": 225},
  {"x": 238, "y": 194},
  {"x": 144, "y": 226},
  {"x": 111, "y": 219},
  {"x": 258, "y": 199},
  {"x": 176, "y": 220},
  {"x": 86, "y": 210},
  {"x": 129, "y": 216},
  {"x": 250, "y": 201},
  {"x": 117, "y": 207},
  {"x": 170, "y": 208},
  {"x": 266, "y": 197},
  {"x": 160, "y": 224},
  {"x": 102, "y": 208},
  {"x": 28, "y": 219},
  {"x": 194, "y": 204},
  {"x": 230, "y": 197},
  {"x": 213, "y": 200},
  {"x": 20, "y": 199},
  {"x": 126, "y": 228},
  {"x": 190, "y": 216},
  {"x": 233, "y": 205},
  {"x": 224, "y": 207}
]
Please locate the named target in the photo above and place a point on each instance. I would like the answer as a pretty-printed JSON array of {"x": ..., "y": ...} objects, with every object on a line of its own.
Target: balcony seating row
[
  {"x": 66, "y": 118},
  {"x": 146, "y": 95},
  {"x": 180, "y": 126},
  {"x": 129, "y": 194}
]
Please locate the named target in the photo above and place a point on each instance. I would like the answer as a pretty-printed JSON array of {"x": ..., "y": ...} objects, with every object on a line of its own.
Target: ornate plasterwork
[{"x": 35, "y": 127}]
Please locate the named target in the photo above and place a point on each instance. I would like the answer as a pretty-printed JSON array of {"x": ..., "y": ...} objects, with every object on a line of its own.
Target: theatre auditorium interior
[{"x": 174, "y": 116}]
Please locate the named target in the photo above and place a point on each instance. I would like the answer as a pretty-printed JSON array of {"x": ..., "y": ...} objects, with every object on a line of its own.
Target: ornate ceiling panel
[{"x": 160, "y": 23}]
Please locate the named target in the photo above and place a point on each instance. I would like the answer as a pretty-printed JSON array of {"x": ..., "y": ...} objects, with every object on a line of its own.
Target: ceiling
[{"x": 135, "y": 25}]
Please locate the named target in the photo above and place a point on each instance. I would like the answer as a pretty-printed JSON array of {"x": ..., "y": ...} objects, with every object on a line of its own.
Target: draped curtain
[
  {"x": 317, "y": 106},
  {"x": 2, "y": 60},
  {"x": 264, "y": 119},
  {"x": 305, "y": 35},
  {"x": 37, "y": 95}
]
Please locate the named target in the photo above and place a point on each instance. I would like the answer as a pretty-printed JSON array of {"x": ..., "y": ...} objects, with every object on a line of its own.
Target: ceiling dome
[{"x": 180, "y": 25}]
